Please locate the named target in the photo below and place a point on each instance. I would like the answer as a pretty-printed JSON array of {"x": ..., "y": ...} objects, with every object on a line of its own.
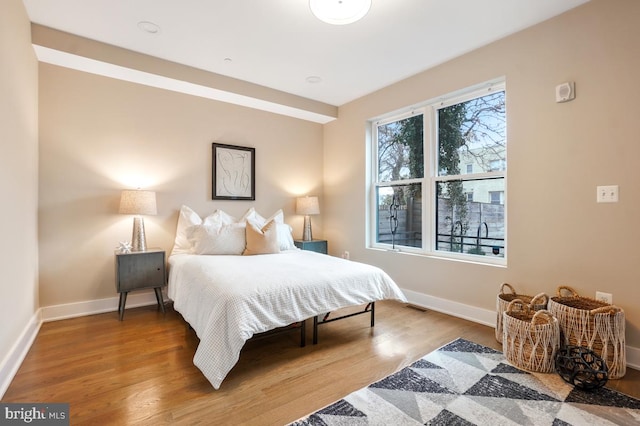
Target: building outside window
[{"x": 438, "y": 180}]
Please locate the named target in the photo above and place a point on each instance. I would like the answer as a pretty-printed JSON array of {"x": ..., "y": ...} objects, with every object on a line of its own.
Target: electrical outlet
[
  {"x": 345, "y": 255},
  {"x": 604, "y": 297}
]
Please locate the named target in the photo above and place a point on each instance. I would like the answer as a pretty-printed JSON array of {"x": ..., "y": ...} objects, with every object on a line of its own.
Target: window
[
  {"x": 400, "y": 164},
  {"x": 496, "y": 197},
  {"x": 438, "y": 177},
  {"x": 498, "y": 164}
]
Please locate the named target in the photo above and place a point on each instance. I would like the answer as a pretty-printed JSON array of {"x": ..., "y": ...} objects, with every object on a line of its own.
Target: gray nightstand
[
  {"x": 139, "y": 270},
  {"x": 319, "y": 246}
]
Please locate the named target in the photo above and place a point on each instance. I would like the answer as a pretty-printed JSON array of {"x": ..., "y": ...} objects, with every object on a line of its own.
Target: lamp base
[
  {"x": 138, "y": 239},
  {"x": 306, "y": 231}
]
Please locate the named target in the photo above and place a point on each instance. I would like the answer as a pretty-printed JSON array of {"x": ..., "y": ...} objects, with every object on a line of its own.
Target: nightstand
[
  {"x": 319, "y": 246},
  {"x": 139, "y": 270}
]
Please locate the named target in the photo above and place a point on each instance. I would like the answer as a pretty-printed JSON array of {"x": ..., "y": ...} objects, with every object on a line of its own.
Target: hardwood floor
[{"x": 140, "y": 370}]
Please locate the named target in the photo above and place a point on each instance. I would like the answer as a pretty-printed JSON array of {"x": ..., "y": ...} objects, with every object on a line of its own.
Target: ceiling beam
[{"x": 71, "y": 51}]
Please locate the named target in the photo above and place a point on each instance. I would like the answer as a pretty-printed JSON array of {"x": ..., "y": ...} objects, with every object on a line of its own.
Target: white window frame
[
  {"x": 372, "y": 199},
  {"x": 430, "y": 179}
]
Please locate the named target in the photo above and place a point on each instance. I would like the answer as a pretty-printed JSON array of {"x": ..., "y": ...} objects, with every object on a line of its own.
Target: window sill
[{"x": 499, "y": 262}]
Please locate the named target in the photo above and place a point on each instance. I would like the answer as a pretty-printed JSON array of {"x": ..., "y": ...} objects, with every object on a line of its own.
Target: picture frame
[{"x": 233, "y": 172}]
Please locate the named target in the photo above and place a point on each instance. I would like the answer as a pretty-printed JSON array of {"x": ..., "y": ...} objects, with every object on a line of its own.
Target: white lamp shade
[
  {"x": 307, "y": 205},
  {"x": 339, "y": 12},
  {"x": 138, "y": 202}
]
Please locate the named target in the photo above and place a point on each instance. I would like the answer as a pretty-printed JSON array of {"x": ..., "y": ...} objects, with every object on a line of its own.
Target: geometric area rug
[{"x": 464, "y": 383}]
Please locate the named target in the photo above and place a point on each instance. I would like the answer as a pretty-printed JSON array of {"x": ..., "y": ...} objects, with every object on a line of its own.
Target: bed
[{"x": 227, "y": 299}]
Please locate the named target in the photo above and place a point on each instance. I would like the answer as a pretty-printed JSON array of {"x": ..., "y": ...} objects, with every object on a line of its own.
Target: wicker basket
[
  {"x": 530, "y": 338},
  {"x": 593, "y": 324},
  {"x": 503, "y": 300}
]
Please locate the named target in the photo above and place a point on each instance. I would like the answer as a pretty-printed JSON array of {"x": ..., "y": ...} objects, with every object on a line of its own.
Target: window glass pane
[
  {"x": 472, "y": 132},
  {"x": 400, "y": 150},
  {"x": 399, "y": 215},
  {"x": 472, "y": 227},
  {"x": 496, "y": 197}
]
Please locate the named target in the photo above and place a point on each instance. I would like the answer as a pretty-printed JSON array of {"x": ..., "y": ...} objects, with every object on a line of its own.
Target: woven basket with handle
[
  {"x": 530, "y": 338},
  {"x": 505, "y": 297},
  {"x": 591, "y": 323}
]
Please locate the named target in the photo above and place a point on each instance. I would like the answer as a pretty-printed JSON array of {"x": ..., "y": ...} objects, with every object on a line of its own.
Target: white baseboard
[
  {"x": 11, "y": 363},
  {"x": 456, "y": 309},
  {"x": 485, "y": 317},
  {"x": 92, "y": 307},
  {"x": 633, "y": 357}
]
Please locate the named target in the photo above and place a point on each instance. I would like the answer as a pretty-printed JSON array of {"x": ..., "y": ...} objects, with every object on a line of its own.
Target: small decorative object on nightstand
[
  {"x": 140, "y": 270},
  {"x": 319, "y": 246}
]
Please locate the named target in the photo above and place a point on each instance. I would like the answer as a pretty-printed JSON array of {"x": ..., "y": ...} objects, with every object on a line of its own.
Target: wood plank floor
[{"x": 140, "y": 370}]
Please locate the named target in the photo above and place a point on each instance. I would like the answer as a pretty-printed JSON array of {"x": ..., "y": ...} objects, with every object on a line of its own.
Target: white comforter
[{"x": 228, "y": 299}]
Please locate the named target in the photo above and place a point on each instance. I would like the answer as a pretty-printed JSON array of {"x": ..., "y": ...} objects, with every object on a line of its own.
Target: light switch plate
[{"x": 607, "y": 194}]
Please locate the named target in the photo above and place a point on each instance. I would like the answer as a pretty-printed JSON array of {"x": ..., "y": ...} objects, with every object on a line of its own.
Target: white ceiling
[{"x": 279, "y": 43}]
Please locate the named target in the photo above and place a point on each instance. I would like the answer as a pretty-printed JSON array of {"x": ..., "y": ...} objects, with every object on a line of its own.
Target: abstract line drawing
[{"x": 233, "y": 172}]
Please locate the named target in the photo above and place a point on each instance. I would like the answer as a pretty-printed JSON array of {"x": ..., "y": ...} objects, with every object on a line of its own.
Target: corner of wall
[{"x": 11, "y": 363}]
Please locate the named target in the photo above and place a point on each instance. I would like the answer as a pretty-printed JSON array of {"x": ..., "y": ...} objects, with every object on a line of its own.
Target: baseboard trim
[
  {"x": 18, "y": 352},
  {"x": 485, "y": 317},
  {"x": 633, "y": 357},
  {"x": 93, "y": 307},
  {"x": 449, "y": 307}
]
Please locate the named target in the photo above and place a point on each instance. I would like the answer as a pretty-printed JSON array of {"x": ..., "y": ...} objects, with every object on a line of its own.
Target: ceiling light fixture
[{"x": 339, "y": 12}]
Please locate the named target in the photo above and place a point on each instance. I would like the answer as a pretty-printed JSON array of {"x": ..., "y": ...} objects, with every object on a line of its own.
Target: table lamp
[
  {"x": 307, "y": 206},
  {"x": 138, "y": 203}
]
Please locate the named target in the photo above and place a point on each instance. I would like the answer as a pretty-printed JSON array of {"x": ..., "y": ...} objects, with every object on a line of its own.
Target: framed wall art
[{"x": 233, "y": 172}]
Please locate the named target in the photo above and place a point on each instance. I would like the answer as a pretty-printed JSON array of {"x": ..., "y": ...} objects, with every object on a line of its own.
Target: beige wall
[
  {"x": 100, "y": 135},
  {"x": 558, "y": 154},
  {"x": 18, "y": 177}
]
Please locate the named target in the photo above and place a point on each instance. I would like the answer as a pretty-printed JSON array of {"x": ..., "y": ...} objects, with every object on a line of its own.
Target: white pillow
[
  {"x": 261, "y": 240},
  {"x": 277, "y": 217},
  {"x": 188, "y": 218},
  {"x": 219, "y": 218},
  {"x": 285, "y": 236},
  {"x": 285, "y": 232},
  {"x": 217, "y": 238}
]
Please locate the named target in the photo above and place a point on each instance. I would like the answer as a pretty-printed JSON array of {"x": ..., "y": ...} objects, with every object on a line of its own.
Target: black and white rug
[{"x": 464, "y": 383}]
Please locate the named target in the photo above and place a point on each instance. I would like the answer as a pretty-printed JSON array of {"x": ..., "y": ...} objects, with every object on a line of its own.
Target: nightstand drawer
[
  {"x": 139, "y": 270},
  {"x": 319, "y": 246}
]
